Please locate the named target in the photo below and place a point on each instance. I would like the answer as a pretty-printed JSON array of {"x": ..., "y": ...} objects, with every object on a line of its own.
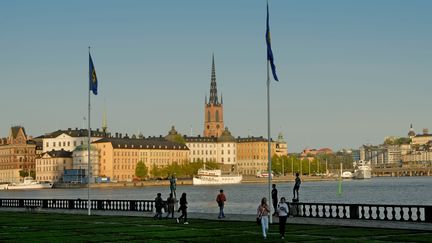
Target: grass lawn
[{"x": 40, "y": 227}]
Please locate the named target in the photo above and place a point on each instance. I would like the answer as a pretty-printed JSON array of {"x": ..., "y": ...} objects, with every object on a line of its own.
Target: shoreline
[{"x": 246, "y": 180}]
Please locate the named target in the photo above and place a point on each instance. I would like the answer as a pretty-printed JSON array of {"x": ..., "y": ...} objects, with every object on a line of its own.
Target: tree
[
  {"x": 23, "y": 173},
  {"x": 33, "y": 174},
  {"x": 141, "y": 170}
]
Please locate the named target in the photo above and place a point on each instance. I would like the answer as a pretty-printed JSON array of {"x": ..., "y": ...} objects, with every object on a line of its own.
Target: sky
[{"x": 351, "y": 72}]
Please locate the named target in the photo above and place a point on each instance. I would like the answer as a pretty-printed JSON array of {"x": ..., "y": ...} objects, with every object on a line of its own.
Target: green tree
[
  {"x": 179, "y": 139},
  {"x": 23, "y": 173},
  {"x": 141, "y": 170},
  {"x": 33, "y": 174}
]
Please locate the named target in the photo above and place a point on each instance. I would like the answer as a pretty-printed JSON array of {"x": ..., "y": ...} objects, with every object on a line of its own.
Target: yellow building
[
  {"x": 252, "y": 155},
  {"x": 118, "y": 157},
  {"x": 51, "y": 165}
]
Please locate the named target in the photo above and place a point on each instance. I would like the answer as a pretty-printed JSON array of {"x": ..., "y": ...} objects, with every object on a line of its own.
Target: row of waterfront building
[{"x": 116, "y": 156}]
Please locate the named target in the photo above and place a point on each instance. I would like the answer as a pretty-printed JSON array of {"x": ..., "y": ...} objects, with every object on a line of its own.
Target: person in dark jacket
[
  {"x": 170, "y": 202},
  {"x": 158, "y": 205},
  {"x": 183, "y": 209},
  {"x": 274, "y": 193},
  {"x": 220, "y": 199}
]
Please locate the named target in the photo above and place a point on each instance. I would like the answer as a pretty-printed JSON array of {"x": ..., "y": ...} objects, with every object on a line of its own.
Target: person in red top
[{"x": 220, "y": 199}]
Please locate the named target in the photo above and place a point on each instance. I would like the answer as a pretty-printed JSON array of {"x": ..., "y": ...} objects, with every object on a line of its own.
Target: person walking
[
  {"x": 274, "y": 194},
  {"x": 158, "y": 205},
  {"x": 263, "y": 213},
  {"x": 183, "y": 209},
  {"x": 170, "y": 202},
  {"x": 220, "y": 199},
  {"x": 296, "y": 187},
  {"x": 283, "y": 210}
]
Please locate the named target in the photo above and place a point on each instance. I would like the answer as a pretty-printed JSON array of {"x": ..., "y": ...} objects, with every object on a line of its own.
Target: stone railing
[
  {"x": 112, "y": 205},
  {"x": 413, "y": 213}
]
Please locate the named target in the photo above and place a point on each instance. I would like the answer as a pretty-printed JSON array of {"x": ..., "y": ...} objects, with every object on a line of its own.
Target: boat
[
  {"x": 215, "y": 177},
  {"x": 347, "y": 175},
  {"x": 362, "y": 170},
  {"x": 264, "y": 175},
  {"x": 3, "y": 186},
  {"x": 30, "y": 183}
]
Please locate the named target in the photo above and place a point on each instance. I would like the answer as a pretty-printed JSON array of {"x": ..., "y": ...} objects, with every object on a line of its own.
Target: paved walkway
[{"x": 251, "y": 217}]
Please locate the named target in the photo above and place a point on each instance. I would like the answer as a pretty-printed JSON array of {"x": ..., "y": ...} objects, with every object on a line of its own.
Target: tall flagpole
[
  {"x": 88, "y": 147},
  {"x": 268, "y": 142}
]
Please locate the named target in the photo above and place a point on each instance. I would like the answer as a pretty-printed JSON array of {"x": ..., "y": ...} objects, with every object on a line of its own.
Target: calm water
[{"x": 244, "y": 198}]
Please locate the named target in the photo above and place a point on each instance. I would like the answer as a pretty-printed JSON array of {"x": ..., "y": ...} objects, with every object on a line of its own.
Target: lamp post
[{"x": 292, "y": 166}]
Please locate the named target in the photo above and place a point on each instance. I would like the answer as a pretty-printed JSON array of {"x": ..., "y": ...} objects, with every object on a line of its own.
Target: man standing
[
  {"x": 296, "y": 188},
  {"x": 173, "y": 185},
  {"x": 158, "y": 205},
  {"x": 171, "y": 202},
  {"x": 274, "y": 198},
  {"x": 220, "y": 199}
]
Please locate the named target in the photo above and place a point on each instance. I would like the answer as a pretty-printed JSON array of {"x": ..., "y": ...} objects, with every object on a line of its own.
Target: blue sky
[{"x": 351, "y": 72}]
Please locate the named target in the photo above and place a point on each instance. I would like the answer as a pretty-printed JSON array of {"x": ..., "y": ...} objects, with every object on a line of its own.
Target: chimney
[
  {"x": 120, "y": 135},
  {"x": 116, "y": 135},
  {"x": 425, "y": 131},
  {"x": 97, "y": 130},
  {"x": 69, "y": 128}
]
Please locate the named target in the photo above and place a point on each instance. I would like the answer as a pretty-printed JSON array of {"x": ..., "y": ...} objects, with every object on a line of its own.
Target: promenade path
[{"x": 251, "y": 218}]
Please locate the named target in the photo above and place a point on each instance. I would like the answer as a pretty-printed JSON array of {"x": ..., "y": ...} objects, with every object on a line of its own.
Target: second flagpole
[
  {"x": 88, "y": 147},
  {"x": 268, "y": 141}
]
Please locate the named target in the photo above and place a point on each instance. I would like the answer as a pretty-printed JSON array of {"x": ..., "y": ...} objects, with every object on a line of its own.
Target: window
[
  {"x": 217, "y": 116},
  {"x": 47, "y": 144},
  {"x": 54, "y": 144}
]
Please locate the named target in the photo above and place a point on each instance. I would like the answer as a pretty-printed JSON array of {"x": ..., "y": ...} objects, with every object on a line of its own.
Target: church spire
[{"x": 213, "y": 90}]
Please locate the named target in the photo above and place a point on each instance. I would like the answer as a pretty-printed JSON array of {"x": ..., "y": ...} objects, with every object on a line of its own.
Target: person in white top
[{"x": 283, "y": 215}]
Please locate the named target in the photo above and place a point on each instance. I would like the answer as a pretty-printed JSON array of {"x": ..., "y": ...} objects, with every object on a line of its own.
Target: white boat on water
[
  {"x": 30, "y": 183},
  {"x": 347, "y": 175},
  {"x": 215, "y": 177},
  {"x": 3, "y": 186},
  {"x": 362, "y": 170}
]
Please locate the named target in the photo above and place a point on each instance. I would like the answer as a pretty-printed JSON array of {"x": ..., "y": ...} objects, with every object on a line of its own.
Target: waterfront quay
[{"x": 53, "y": 227}]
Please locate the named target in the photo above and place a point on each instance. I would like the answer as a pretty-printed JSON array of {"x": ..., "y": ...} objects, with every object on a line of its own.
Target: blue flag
[
  {"x": 269, "y": 50},
  {"x": 92, "y": 76}
]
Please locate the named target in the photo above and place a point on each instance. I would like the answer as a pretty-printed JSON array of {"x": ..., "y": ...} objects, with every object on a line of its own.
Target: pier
[{"x": 402, "y": 171}]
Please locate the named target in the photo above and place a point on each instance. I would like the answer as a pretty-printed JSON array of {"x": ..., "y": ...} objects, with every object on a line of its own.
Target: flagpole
[
  {"x": 88, "y": 149},
  {"x": 268, "y": 142}
]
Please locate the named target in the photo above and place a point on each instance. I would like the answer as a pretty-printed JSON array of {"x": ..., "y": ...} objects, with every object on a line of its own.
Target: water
[{"x": 244, "y": 198}]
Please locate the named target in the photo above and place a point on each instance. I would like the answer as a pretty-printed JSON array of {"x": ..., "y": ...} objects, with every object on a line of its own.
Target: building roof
[
  {"x": 251, "y": 139},
  {"x": 74, "y": 133},
  {"x": 226, "y": 136},
  {"x": 149, "y": 143},
  {"x": 15, "y": 130},
  {"x": 200, "y": 139},
  {"x": 59, "y": 153}
]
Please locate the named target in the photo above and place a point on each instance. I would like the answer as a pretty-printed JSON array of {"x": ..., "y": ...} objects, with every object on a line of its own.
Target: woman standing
[
  {"x": 263, "y": 212},
  {"x": 283, "y": 215},
  {"x": 183, "y": 209}
]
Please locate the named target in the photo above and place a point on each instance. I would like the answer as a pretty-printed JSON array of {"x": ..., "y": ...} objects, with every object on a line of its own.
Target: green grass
[{"x": 40, "y": 227}]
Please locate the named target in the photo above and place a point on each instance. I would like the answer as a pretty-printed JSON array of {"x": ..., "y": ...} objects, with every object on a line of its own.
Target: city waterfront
[{"x": 243, "y": 198}]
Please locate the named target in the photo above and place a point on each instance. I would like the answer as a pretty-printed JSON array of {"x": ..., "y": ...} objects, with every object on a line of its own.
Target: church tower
[{"x": 213, "y": 111}]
